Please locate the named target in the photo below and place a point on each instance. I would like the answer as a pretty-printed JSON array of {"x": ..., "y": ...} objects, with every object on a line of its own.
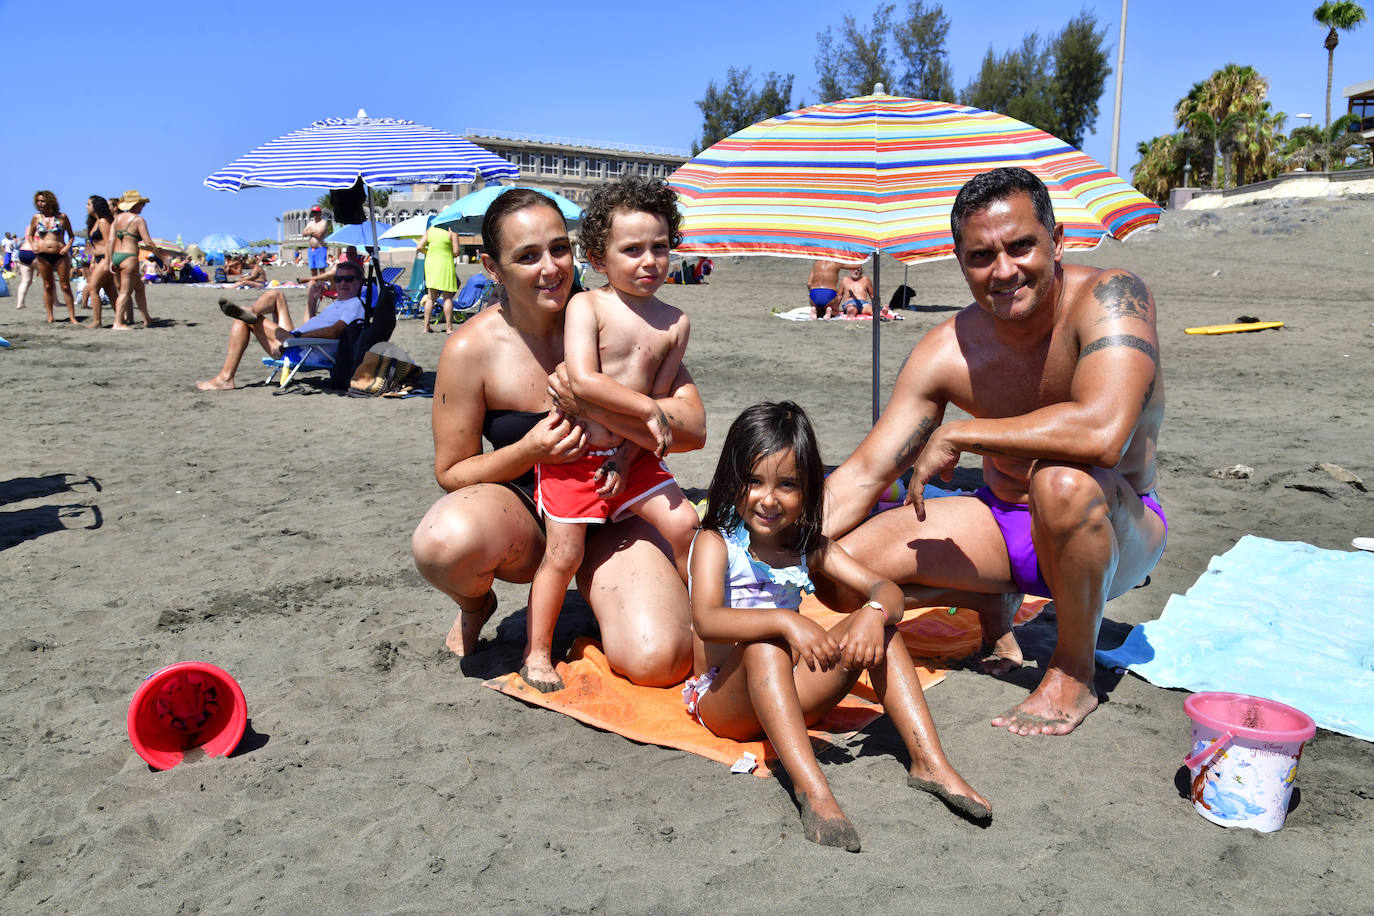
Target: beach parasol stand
[
  {"x": 848, "y": 180},
  {"x": 338, "y": 153},
  {"x": 183, "y": 707}
]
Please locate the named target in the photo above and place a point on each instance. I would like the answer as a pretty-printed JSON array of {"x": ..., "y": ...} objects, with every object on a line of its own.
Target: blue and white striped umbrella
[
  {"x": 223, "y": 241},
  {"x": 336, "y": 152}
]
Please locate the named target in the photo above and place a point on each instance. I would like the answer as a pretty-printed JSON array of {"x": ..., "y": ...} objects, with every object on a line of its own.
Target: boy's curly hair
[{"x": 634, "y": 194}]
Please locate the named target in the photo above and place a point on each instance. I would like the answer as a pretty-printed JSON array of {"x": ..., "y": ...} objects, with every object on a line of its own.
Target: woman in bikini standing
[
  {"x": 50, "y": 237},
  {"x": 129, "y": 230},
  {"x": 493, "y": 381},
  {"x": 99, "y": 231}
]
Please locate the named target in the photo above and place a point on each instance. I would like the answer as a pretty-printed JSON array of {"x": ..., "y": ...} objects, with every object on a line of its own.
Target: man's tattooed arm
[
  {"x": 1120, "y": 340},
  {"x": 913, "y": 445},
  {"x": 1123, "y": 296}
]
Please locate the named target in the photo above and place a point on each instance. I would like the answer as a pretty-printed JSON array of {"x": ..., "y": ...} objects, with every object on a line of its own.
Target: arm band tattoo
[{"x": 1120, "y": 340}]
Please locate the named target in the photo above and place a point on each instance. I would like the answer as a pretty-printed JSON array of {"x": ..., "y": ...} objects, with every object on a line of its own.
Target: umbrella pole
[
  {"x": 374, "y": 251},
  {"x": 877, "y": 320}
]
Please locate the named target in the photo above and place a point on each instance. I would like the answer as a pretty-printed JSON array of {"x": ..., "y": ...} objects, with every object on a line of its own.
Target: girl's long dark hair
[{"x": 757, "y": 433}]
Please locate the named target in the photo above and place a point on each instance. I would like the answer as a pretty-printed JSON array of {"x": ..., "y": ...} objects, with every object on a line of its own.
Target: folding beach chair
[
  {"x": 340, "y": 356},
  {"x": 408, "y": 305}
]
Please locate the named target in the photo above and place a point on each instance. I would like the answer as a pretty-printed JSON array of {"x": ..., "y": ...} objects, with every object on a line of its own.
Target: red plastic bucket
[
  {"x": 185, "y": 706},
  {"x": 1244, "y": 758}
]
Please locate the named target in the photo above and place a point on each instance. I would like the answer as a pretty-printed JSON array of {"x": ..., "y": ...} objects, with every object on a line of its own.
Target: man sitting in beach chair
[{"x": 269, "y": 320}]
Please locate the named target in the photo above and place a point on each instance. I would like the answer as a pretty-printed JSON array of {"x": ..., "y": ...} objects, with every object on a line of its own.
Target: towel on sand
[
  {"x": 655, "y": 715},
  {"x": 1277, "y": 619}
]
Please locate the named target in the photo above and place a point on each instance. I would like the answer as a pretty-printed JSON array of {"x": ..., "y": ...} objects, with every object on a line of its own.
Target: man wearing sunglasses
[{"x": 270, "y": 322}]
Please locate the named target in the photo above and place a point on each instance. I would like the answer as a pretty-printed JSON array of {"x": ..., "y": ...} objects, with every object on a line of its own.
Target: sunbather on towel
[
  {"x": 270, "y": 322},
  {"x": 856, "y": 293},
  {"x": 820, "y": 288},
  {"x": 1058, "y": 366}
]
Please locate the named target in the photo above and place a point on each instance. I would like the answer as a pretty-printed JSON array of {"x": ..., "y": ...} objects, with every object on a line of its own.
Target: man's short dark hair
[{"x": 982, "y": 191}]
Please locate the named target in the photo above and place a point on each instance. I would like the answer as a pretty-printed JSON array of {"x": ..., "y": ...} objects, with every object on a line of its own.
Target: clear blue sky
[{"x": 155, "y": 96}]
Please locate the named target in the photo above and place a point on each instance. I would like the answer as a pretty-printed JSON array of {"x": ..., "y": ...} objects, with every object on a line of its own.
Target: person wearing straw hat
[
  {"x": 130, "y": 231},
  {"x": 1058, "y": 367}
]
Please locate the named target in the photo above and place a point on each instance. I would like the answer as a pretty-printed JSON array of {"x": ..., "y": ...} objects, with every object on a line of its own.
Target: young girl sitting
[{"x": 767, "y": 669}]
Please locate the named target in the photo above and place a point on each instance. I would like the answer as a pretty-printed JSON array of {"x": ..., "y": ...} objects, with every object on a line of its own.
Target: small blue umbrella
[
  {"x": 340, "y": 152},
  {"x": 355, "y": 235},
  {"x": 465, "y": 214},
  {"x": 223, "y": 241}
]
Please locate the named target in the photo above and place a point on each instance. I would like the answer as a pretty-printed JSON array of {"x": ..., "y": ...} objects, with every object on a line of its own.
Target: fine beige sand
[{"x": 145, "y": 523}]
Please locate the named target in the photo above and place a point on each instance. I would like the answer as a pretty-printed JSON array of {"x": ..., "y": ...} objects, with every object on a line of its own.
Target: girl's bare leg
[
  {"x": 122, "y": 306},
  {"x": 899, "y": 690},
  {"x": 563, "y": 551},
  {"x": 45, "y": 276},
  {"x": 141, "y": 297},
  {"x": 64, "y": 278}
]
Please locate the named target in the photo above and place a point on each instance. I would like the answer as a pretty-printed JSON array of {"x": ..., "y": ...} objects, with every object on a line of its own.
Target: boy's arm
[{"x": 680, "y": 403}]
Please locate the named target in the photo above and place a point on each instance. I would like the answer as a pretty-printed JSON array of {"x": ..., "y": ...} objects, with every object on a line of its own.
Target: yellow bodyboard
[{"x": 1234, "y": 328}]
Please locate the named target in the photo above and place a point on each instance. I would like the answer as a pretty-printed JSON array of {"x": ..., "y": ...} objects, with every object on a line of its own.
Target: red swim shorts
[{"x": 567, "y": 492}]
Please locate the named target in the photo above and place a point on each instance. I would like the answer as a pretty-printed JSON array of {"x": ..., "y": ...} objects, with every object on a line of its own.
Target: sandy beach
[{"x": 144, "y": 522}]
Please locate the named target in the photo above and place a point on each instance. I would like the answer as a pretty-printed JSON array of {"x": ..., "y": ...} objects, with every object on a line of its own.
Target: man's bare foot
[
  {"x": 829, "y": 829},
  {"x": 247, "y": 316},
  {"x": 467, "y": 629},
  {"x": 951, "y": 789},
  {"x": 543, "y": 679},
  {"x": 1056, "y": 707},
  {"x": 214, "y": 384},
  {"x": 121, "y": 327},
  {"x": 1003, "y": 656},
  {"x": 92, "y": 324}
]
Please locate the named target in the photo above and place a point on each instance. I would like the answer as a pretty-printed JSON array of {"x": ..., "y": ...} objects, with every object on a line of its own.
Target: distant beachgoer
[
  {"x": 821, "y": 288},
  {"x": 856, "y": 292},
  {"x": 1057, "y": 368},
  {"x": 130, "y": 230},
  {"x": 256, "y": 278},
  {"x": 50, "y": 238},
  {"x": 99, "y": 276},
  {"x": 269, "y": 320},
  {"x": 493, "y": 382},
  {"x": 766, "y": 670},
  {"x": 315, "y": 231},
  {"x": 10, "y": 247},
  {"x": 23, "y": 262},
  {"x": 441, "y": 279}
]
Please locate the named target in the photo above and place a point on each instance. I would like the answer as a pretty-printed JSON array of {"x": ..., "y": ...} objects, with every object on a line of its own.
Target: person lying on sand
[
  {"x": 270, "y": 322},
  {"x": 1058, "y": 364}
]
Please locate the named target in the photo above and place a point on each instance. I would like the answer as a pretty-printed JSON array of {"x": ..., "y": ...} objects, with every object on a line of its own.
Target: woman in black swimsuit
[
  {"x": 50, "y": 236},
  {"x": 98, "y": 276},
  {"x": 493, "y": 380}
]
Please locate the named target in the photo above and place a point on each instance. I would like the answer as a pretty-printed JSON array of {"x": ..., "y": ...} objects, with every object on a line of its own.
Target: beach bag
[
  {"x": 4, "y": 287},
  {"x": 902, "y": 298},
  {"x": 221, "y": 276},
  {"x": 386, "y": 371}
]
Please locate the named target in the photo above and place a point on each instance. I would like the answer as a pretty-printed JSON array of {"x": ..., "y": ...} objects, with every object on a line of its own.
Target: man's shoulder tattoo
[
  {"x": 1123, "y": 296},
  {"x": 1121, "y": 340}
]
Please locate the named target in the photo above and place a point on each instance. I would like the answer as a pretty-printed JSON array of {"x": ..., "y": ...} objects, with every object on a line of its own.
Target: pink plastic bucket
[
  {"x": 1244, "y": 758},
  {"x": 184, "y": 706}
]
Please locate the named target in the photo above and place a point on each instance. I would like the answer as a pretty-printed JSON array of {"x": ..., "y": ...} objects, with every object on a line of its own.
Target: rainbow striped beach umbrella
[{"x": 877, "y": 174}]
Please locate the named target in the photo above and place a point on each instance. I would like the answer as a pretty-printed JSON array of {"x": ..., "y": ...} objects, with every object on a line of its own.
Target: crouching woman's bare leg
[
  {"x": 640, "y": 602},
  {"x": 468, "y": 539}
]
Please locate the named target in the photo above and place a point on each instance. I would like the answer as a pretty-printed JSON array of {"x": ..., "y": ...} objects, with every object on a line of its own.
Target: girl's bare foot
[
  {"x": 463, "y": 636},
  {"x": 951, "y": 789},
  {"x": 214, "y": 384},
  {"x": 830, "y": 828}
]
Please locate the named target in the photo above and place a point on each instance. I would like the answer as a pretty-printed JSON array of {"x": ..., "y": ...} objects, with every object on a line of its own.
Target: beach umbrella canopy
[
  {"x": 169, "y": 246},
  {"x": 358, "y": 236},
  {"x": 465, "y": 214},
  {"x": 340, "y": 152},
  {"x": 848, "y": 180},
  {"x": 410, "y": 228},
  {"x": 223, "y": 241}
]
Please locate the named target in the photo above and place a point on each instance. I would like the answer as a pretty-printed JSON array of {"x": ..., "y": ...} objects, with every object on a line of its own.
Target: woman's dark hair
[
  {"x": 633, "y": 194},
  {"x": 758, "y": 432},
  {"x": 100, "y": 209},
  {"x": 40, "y": 198},
  {"x": 983, "y": 190},
  {"x": 506, "y": 203}
]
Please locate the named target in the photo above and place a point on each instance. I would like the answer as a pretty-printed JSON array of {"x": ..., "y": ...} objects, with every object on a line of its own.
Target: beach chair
[
  {"x": 340, "y": 357},
  {"x": 473, "y": 297},
  {"x": 408, "y": 305},
  {"x": 302, "y": 354}
]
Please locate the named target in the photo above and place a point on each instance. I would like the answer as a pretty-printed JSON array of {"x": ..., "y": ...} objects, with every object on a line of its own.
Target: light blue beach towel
[{"x": 1277, "y": 619}]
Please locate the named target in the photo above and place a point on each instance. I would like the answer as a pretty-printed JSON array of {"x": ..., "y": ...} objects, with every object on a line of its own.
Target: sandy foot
[
  {"x": 835, "y": 830},
  {"x": 467, "y": 628},
  {"x": 1056, "y": 707}
]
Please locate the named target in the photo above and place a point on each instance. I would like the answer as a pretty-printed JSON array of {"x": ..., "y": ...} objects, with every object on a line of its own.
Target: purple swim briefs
[{"x": 1014, "y": 521}]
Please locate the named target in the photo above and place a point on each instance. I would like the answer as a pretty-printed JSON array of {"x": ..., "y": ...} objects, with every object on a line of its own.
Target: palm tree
[
  {"x": 1342, "y": 15},
  {"x": 1217, "y": 110}
]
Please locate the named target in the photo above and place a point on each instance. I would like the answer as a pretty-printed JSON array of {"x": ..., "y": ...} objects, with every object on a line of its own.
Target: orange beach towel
[{"x": 656, "y": 715}]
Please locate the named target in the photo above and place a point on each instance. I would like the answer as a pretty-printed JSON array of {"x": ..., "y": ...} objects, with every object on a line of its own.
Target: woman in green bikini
[
  {"x": 50, "y": 237},
  {"x": 129, "y": 230}
]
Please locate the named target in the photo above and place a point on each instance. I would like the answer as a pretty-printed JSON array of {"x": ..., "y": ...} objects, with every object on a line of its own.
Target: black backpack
[{"x": 377, "y": 324}]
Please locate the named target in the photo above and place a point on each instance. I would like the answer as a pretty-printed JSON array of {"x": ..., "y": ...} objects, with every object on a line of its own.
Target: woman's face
[{"x": 536, "y": 259}]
